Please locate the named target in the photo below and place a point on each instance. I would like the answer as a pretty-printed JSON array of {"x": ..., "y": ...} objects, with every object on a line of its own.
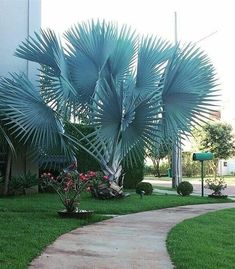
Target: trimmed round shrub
[
  {"x": 144, "y": 186},
  {"x": 133, "y": 174},
  {"x": 185, "y": 188}
]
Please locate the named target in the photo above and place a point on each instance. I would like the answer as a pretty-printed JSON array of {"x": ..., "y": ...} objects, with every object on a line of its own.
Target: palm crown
[{"x": 134, "y": 91}]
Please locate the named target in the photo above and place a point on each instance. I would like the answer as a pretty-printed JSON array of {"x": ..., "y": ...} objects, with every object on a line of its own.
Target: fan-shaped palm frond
[
  {"x": 5, "y": 139},
  {"x": 123, "y": 58},
  {"x": 152, "y": 56},
  {"x": 188, "y": 90},
  {"x": 46, "y": 49},
  {"x": 41, "y": 49},
  {"x": 90, "y": 46},
  {"x": 28, "y": 118},
  {"x": 98, "y": 50}
]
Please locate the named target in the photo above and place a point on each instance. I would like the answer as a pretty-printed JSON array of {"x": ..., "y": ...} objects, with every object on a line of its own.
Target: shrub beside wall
[{"x": 133, "y": 175}]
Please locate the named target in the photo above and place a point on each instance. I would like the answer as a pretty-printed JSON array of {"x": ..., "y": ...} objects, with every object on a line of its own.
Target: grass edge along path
[
  {"x": 30, "y": 223},
  {"x": 206, "y": 241}
]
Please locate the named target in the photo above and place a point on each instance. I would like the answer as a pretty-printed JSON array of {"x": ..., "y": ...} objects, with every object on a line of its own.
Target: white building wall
[
  {"x": 226, "y": 167},
  {"x": 18, "y": 19}
]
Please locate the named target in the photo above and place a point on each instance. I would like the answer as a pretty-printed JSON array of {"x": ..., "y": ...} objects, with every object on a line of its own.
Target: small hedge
[
  {"x": 185, "y": 188},
  {"x": 144, "y": 186},
  {"x": 133, "y": 175}
]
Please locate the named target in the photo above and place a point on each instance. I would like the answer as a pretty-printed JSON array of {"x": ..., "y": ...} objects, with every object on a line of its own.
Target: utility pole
[{"x": 176, "y": 147}]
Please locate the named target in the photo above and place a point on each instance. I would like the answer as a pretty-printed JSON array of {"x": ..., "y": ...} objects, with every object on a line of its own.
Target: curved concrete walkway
[{"x": 124, "y": 242}]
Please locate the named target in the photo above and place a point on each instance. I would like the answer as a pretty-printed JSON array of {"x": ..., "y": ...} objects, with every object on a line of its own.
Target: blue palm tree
[{"x": 134, "y": 91}]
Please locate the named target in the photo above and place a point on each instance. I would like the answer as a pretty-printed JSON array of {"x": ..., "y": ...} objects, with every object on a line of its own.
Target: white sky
[{"x": 196, "y": 20}]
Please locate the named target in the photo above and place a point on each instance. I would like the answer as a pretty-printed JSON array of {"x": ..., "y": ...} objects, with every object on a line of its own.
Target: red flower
[
  {"x": 83, "y": 177},
  {"x": 69, "y": 184},
  {"x": 92, "y": 174}
]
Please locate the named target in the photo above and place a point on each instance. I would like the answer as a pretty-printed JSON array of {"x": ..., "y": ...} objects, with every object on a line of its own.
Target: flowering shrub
[
  {"x": 216, "y": 185},
  {"x": 69, "y": 185},
  {"x": 101, "y": 187},
  {"x": 98, "y": 180}
]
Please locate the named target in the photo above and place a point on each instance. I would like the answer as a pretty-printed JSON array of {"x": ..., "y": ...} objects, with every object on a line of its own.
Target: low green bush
[
  {"x": 133, "y": 175},
  {"x": 144, "y": 186},
  {"x": 185, "y": 188},
  {"x": 216, "y": 185},
  {"x": 21, "y": 182}
]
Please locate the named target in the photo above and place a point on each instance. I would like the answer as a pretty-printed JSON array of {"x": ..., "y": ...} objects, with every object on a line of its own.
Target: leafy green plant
[
  {"x": 216, "y": 185},
  {"x": 23, "y": 181},
  {"x": 145, "y": 187},
  {"x": 1, "y": 185},
  {"x": 16, "y": 184},
  {"x": 184, "y": 188}
]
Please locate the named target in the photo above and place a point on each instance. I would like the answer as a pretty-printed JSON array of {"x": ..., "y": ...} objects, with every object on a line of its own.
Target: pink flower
[
  {"x": 83, "y": 177},
  {"x": 69, "y": 184},
  {"x": 105, "y": 177},
  {"x": 92, "y": 174}
]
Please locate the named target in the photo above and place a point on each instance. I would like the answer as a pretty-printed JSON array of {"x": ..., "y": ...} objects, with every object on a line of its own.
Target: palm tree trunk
[{"x": 8, "y": 170}]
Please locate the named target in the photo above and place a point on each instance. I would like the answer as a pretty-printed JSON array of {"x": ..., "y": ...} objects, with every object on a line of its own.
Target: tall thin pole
[
  {"x": 176, "y": 29},
  {"x": 28, "y": 11},
  {"x": 176, "y": 149},
  {"x": 202, "y": 178}
]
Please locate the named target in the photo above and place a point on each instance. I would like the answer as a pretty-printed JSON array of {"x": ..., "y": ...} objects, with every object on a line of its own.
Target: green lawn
[
  {"x": 29, "y": 223},
  {"x": 164, "y": 188},
  {"x": 207, "y": 242}
]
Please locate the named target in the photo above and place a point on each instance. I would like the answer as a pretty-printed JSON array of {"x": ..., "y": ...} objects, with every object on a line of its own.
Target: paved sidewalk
[{"x": 134, "y": 241}]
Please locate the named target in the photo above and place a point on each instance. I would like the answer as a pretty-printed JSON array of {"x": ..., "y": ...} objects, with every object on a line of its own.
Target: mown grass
[
  {"x": 164, "y": 188},
  {"x": 29, "y": 223},
  {"x": 207, "y": 242}
]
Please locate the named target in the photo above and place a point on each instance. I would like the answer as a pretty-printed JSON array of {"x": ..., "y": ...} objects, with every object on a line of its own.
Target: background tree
[
  {"x": 160, "y": 152},
  {"x": 217, "y": 138}
]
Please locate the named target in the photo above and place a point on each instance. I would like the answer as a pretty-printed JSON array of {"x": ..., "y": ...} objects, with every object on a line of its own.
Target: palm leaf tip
[
  {"x": 27, "y": 116},
  {"x": 189, "y": 80}
]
